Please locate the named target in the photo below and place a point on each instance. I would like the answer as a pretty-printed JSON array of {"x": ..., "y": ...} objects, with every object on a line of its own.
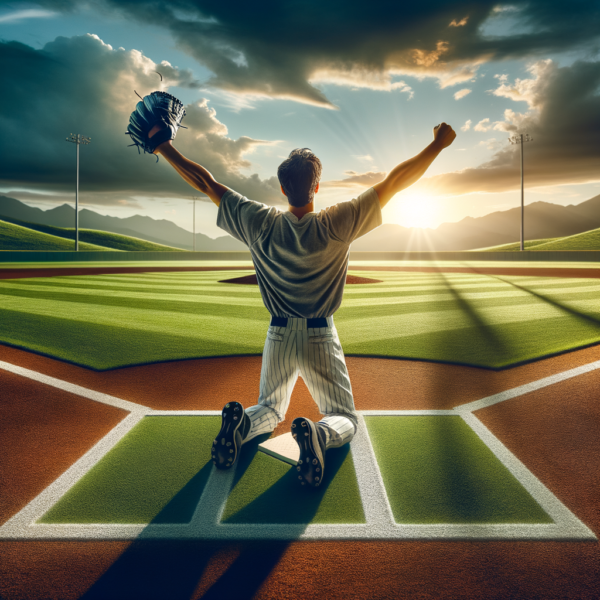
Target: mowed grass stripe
[
  {"x": 108, "y": 346},
  {"x": 167, "y": 290},
  {"x": 222, "y": 322},
  {"x": 156, "y": 473},
  {"x": 269, "y": 492},
  {"x": 114, "y": 295},
  {"x": 482, "y": 346},
  {"x": 436, "y": 470}
]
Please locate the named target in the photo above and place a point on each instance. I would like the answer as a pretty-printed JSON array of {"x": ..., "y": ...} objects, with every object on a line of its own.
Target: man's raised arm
[
  {"x": 196, "y": 175},
  {"x": 410, "y": 171}
]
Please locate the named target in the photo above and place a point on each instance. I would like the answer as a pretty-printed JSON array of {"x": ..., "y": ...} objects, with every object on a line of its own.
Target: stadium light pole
[
  {"x": 521, "y": 139},
  {"x": 194, "y": 198},
  {"x": 77, "y": 140}
]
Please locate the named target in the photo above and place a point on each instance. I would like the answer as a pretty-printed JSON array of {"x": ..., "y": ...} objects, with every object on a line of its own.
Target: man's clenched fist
[{"x": 443, "y": 134}]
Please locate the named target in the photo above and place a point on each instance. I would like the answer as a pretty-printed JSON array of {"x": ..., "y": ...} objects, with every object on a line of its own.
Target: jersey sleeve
[
  {"x": 242, "y": 218},
  {"x": 350, "y": 220}
]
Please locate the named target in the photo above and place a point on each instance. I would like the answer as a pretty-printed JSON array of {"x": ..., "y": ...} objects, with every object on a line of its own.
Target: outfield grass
[
  {"x": 107, "y": 321},
  {"x": 156, "y": 473},
  {"x": 16, "y": 237},
  {"x": 101, "y": 240},
  {"x": 437, "y": 470}
]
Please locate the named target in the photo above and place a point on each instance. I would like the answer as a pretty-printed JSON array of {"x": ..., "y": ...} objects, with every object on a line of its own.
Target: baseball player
[{"x": 301, "y": 260}]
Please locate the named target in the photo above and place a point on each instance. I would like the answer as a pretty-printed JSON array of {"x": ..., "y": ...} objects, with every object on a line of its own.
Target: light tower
[
  {"x": 521, "y": 139},
  {"x": 194, "y": 198},
  {"x": 77, "y": 140}
]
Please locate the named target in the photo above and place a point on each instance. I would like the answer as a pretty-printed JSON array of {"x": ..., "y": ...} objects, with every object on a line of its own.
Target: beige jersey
[{"x": 301, "y": 264}]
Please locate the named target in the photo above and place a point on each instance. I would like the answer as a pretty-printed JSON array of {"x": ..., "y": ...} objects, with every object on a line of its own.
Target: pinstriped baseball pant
[{"x": 316, "y": 355}]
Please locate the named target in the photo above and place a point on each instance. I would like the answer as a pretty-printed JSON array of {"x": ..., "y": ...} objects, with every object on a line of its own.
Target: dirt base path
[
  {"x": 586, "y": 273},
  {"x": 554, "y": 431}
]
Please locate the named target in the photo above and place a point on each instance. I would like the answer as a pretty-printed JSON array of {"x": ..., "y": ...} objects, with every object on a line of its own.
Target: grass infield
[
  {"x": 108, "y": 321},
  {"x": 437, "y": 470},
  {"x": 156, "y": 473},
  {"x": 269, "y": 492}
]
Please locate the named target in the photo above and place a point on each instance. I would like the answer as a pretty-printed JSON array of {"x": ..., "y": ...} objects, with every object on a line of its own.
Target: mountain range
[{"x": 542, "y": 220}]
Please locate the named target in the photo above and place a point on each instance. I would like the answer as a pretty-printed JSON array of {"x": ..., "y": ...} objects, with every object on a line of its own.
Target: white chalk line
[{"x": 380, "y": 524}]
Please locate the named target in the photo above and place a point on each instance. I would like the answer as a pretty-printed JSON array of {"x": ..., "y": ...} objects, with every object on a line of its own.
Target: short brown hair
[{"x": 299, "y": 174}]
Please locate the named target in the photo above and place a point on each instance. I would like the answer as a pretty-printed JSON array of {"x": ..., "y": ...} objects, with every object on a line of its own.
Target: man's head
[{"x": 299, "y": 175}]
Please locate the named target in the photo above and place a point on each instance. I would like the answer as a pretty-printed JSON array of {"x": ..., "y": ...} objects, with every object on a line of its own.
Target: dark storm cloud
[
  {"x": 563, "y": 118},
  {"x": 81, "y": 85},
  {"x": 283, "y": 49}
]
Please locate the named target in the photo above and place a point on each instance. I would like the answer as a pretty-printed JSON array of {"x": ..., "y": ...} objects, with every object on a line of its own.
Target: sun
[{"x": 414, "y": 210}]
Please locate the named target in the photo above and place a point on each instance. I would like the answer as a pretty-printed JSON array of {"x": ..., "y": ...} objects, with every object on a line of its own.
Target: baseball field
[{"x": 474, "y": 472}]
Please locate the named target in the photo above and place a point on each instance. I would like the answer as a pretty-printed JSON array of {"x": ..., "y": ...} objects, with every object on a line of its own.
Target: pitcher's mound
[{"x": 251, "y": 280}]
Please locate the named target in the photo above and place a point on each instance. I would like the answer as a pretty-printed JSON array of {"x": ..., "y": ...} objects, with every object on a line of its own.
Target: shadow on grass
[
  {"x": 565, "y": 308},
  {"x": 286, "y": 502},
  {"x": 177, "y": 570},
  {"x": 488, "y": 333}
]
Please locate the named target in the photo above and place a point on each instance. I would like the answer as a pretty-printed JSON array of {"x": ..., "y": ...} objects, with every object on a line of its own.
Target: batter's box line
[
  {"x": 206, "y": 521},
  {"x": 380, "y": 523}
]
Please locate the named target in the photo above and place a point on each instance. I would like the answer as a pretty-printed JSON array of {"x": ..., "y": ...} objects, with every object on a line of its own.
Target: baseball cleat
[
  {"x": 228, "y": 442},
  {"x": 312, "y": 452}
]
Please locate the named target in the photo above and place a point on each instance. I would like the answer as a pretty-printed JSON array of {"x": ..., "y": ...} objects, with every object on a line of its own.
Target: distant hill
[
  {"x": 16, "y": 237},
  {"x": 516, "y": 246},
  {"x": 143, "y": 227},
  {"x": 543, "y": 221},
  {"x": 102, "y": 239},
  {"x": 589, "y": 240}
]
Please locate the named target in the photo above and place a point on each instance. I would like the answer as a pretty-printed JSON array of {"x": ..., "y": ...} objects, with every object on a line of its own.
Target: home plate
[{"x": 283, "y": 447}]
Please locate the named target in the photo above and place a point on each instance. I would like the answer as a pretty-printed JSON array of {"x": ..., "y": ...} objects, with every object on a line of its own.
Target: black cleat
[
  {"x": 227, "y": 444},
  {"x": 311, "y": 441}
]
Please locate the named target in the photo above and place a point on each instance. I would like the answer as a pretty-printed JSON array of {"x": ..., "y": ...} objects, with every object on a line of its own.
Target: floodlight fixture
[
  {"x": 520, "y": 139},
  {"x": 78, "y": 140}
]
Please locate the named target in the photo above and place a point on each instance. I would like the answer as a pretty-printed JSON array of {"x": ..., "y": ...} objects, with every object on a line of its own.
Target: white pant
[{"x": 315, "y": 354}]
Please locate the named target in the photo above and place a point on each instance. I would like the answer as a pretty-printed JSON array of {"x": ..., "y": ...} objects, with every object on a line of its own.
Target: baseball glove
[{"x": 155, "y": 109}]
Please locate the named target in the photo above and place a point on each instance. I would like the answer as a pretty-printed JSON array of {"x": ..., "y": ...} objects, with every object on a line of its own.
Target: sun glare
[{"x": 414, "y": 210}]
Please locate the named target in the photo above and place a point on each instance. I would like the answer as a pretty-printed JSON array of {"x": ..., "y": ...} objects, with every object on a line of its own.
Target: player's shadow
[
  {"x": 588, "y": 318},
  {"x": 286, "y": 502},
  {"x": 181, "y": 569},
  {"x": 495, "y": 344}
]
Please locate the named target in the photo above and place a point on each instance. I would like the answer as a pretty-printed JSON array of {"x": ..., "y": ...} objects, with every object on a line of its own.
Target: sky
[{"x": 361, "y": 84}]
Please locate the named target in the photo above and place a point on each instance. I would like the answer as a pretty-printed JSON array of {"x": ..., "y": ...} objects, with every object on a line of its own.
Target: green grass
[
  {"x": 516, "y": 246},
  {"x": 101, "y": 240},
  {"x": 16, "y": 237},
  {"x": 107, "y": 321},
  {"x": 156, "y": 473},
  {"x": 588, "y": 240},
  {"x": 269, "y": 492},
  {"x": 436, "y": 470}
]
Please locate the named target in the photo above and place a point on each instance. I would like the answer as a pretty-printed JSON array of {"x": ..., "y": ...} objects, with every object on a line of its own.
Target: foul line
[
  {"x": 528, "y": 387},
  {"x": 72, "y": 388}
]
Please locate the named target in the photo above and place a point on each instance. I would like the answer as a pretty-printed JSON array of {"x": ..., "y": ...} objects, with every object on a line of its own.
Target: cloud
[
  {"x": 29, "y": 13},
  {"x": 491, "y": 144},
  {"x": 355, "y": 179},
  {"x": 466, "y": 126},
  {"x": 281, "y": 50},
  {"x": 461, "y": 23},
  {"x": 563, "y": 118},
  {"x": 483, "y": 125},
  {"x": 82, "y": 85},
  {"x": 462, "y": 93}
]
